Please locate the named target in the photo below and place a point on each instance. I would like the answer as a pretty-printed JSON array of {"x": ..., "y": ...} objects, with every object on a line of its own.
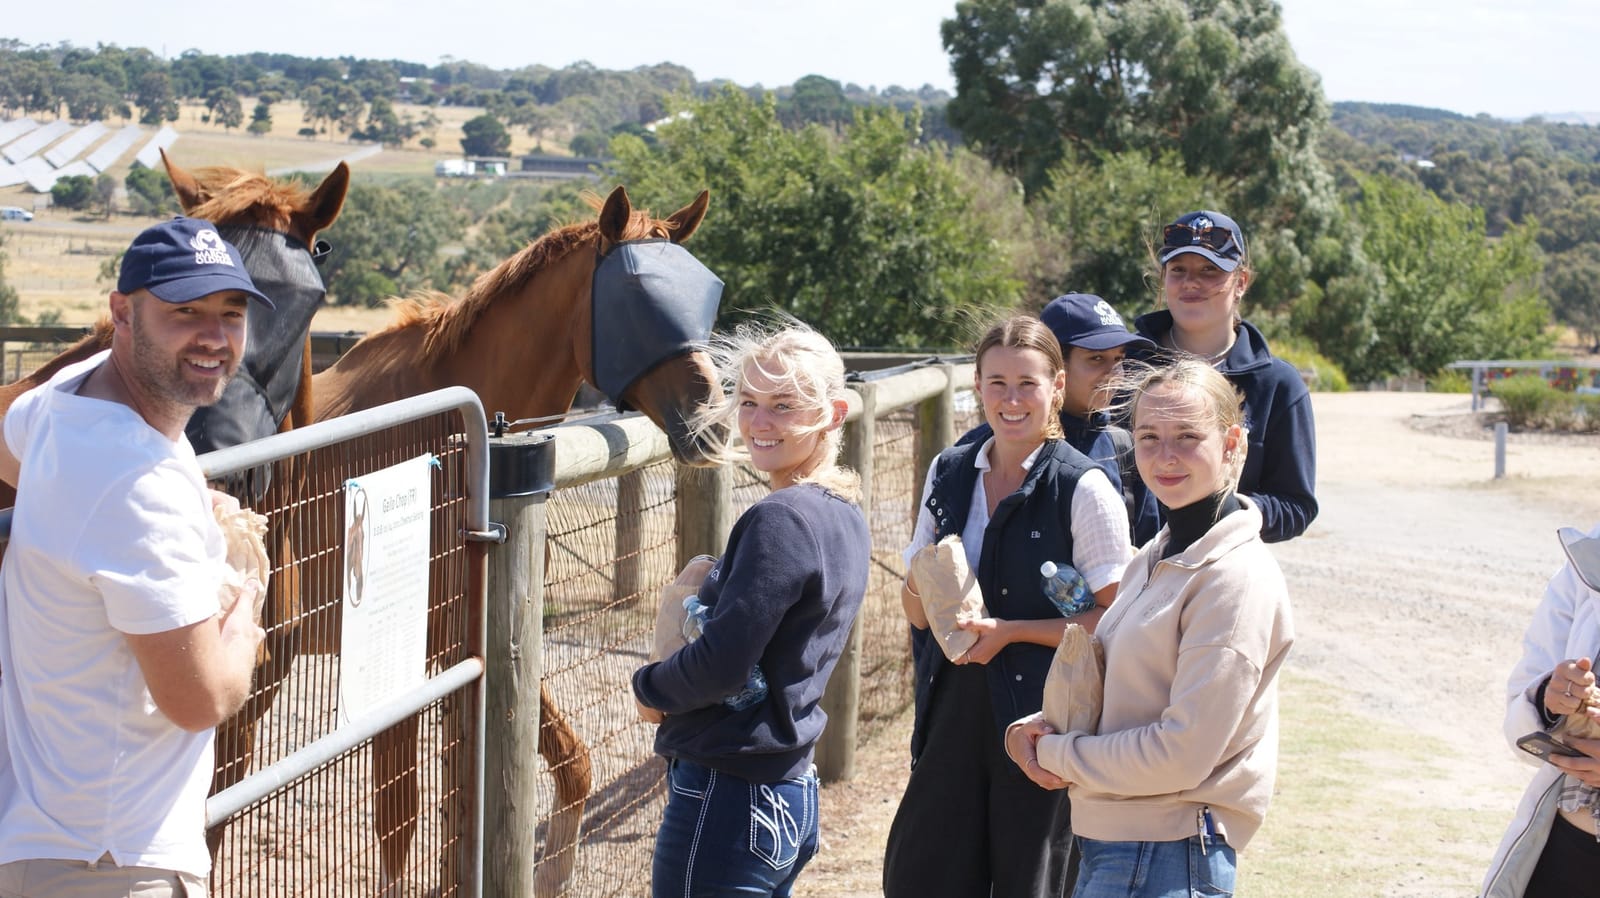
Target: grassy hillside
[{"x": 54, "y": 261}]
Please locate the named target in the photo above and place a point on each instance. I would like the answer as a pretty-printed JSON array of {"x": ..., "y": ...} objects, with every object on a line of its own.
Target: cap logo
[
  {"x": 1108, "y": 315},
  {"x": 209, "y": 249},
  {"x": 1201, "y": 223}
]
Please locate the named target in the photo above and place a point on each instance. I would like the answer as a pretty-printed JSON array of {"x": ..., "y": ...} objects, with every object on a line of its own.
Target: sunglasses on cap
[{"x": 1216, "y": 239}]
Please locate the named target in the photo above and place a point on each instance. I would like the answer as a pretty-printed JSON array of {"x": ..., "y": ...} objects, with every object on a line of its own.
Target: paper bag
[
  {"x": 243, "y": 531},
  {"x": 670, "y": 613},
  {"x": 1074, "y": 689},
  {"x": 950, "y": 593}
]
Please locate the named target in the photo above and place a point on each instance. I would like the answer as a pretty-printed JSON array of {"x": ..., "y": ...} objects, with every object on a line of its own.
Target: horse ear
[
  {"x": 326, "y": 201},
  {"x": 614, "y": 215},
  {"x": 183, "y": 184},
  {"x": 686, "y": 220}
]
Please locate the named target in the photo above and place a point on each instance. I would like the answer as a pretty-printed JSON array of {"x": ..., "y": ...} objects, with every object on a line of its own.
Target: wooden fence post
[
  {"x": 936, "y": 430},
  {"x": 704, "y": 510},
  {"x": 836, "y": 749},
  {"x": 626, "y": 579},
  {"x": 521, "y": 469}
]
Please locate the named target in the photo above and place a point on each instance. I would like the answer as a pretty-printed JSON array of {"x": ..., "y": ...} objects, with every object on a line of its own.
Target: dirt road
[{"x": 1411, "y": 591}]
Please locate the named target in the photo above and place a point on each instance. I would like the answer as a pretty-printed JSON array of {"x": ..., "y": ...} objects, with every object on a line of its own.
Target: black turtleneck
[{"x": 1187, "y": 524}]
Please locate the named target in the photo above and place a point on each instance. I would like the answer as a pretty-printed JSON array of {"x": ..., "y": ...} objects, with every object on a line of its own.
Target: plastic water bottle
[
  {"x": 1066, "y": 589},
  {"x": 755, "y": 686}
]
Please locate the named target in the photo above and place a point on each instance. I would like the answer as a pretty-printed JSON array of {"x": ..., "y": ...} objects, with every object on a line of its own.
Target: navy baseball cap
[
  {"x": 183, "y": 260},
  {"x": 1087, "y": 322},
  {"x": 1204, "y": 233}
]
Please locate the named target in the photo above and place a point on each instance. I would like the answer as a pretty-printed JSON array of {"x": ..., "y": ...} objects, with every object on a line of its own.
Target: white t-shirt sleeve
[
  {"x": 1101, "y": 544},
  {"x": 154, "y": 553},
  {"x": 19, "y": 421}
]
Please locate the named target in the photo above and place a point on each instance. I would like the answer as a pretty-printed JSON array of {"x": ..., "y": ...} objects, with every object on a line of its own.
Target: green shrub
[
  {"x": 1450, "y": 380},
  {"x": 1327, "y": 376},
  {"x": 1526, "y": 398},
  {"x": 1588, "y": 411}
]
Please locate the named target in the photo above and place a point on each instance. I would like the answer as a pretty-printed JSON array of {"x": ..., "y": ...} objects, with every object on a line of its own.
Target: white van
[{"x": 15, "y": 213}]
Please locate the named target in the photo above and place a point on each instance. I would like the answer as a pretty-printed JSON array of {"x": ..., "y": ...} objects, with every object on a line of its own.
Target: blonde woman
[
  {"x": 741, "y": 814},
  {"x": 1205, "y": 271},
  {"x": 970, "y": 823},
  {"x": 1178, "y": 777}
]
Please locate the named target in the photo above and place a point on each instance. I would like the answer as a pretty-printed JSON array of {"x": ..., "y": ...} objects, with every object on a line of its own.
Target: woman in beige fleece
[{"x": 1179, "y": 775}]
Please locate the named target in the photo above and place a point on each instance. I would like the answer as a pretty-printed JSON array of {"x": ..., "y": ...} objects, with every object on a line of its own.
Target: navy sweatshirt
[
  {"x": 783, "y": 595},
  {"x": 1280, "y": 469}
]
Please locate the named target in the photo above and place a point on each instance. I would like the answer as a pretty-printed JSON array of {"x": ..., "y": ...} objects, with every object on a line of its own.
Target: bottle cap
[{"x": 1048, "y": 569}]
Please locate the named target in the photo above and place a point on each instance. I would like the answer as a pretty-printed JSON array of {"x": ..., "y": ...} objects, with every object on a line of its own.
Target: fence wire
[
  {"x": 611, "y": 545},
  {"x": 394, "y": 815}
]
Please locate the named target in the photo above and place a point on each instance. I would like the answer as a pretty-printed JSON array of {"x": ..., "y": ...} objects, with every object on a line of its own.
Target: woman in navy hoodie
[
  {"x": 1205, "y": 271},
  {"x": 738, "y": 706}
]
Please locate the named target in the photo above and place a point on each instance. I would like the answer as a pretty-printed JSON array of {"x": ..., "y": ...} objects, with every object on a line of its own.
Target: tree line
[{"x": 1387, "y": 240}]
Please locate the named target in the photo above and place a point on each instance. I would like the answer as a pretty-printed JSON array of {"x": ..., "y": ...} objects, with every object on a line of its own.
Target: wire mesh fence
[
  {"x": 611, "y": 544},
  {"x": 396, "y": 813}
]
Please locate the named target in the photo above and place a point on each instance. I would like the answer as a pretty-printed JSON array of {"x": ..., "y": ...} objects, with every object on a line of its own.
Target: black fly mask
[
  {"x": 652, "y": 300},
  {"x": 256, "y": 401}
]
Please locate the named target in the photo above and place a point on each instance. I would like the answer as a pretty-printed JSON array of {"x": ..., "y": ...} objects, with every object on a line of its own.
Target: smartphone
[{"x": 1542, "y": 745}]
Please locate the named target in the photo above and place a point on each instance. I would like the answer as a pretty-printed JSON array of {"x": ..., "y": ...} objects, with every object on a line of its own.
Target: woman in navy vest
[
  {"x": 970, "y": 822},
  {"x": 1205, "y": 271}
]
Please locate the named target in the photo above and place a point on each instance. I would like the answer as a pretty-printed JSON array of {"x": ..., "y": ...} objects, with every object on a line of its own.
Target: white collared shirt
[{"x": 1101, "y": 544}]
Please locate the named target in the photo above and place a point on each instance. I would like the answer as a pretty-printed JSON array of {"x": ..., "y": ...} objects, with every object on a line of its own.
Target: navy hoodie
[
  {"x": 1280, "y": 468},
  {"x": 784, "y": 595}
]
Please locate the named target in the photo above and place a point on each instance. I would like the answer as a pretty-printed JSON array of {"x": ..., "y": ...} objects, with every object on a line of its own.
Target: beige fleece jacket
[{"x": 1193, "y": 648}]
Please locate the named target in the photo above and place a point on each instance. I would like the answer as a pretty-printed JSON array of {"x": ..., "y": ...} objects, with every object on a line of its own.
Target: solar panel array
[
  {"x": 44, "y": 180},
  {"x": 150, "y": 154},
  {"x": 109, "y": 152},
  {"x": 34, "y": 141},
  {"x": 12, "y": 130},
  {"x": 74, "y": 143},
  {"x": 30, "y": 169},
  {"x": 22, "y": 140}
]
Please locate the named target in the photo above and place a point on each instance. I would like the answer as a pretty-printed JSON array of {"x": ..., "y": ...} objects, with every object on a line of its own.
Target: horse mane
[
  {"x": 233, "y": 194},
  {"x": 447, "y": 321}
]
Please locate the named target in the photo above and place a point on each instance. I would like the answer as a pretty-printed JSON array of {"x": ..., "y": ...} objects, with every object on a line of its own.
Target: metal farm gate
[{"x": 389, "y": 802}]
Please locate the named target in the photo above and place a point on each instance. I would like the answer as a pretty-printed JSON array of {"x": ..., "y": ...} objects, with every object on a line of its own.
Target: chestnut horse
[{"x": 522, "y": 339}]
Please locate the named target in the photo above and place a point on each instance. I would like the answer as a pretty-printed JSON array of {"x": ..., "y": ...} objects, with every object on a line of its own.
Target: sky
[{"x": 1507, "y": 59}]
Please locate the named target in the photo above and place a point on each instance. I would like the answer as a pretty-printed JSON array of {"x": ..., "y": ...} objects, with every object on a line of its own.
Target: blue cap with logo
[
  {"x": 1088, "y": 322},
  {"x": 183, "y": 260},
  {"x": 1210, "y": 234}
]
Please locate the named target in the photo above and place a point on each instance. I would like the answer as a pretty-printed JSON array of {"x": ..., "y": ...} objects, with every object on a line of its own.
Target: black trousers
[
  {"x": 1569, "y": 866},
  {"x": 970, "y": 824}
]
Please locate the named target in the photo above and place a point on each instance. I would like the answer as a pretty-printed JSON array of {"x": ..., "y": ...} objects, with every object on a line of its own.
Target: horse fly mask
[
  {"x": 652, "y": 300},
  {"x": 257, "y": 399}
]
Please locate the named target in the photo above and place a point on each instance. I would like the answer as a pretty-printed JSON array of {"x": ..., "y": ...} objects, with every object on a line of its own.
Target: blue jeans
[
  {"x": 721, "y": 835},
  {"x": 1155, "y": 869}
]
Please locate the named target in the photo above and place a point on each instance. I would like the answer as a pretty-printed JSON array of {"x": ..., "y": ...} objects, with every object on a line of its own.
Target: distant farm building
[
  {"x": 542, "y": 166},
  {"x": 472, "y": 167}
]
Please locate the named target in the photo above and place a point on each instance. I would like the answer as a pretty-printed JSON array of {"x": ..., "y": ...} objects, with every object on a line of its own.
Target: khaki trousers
[{"x": 50, "y": 878}]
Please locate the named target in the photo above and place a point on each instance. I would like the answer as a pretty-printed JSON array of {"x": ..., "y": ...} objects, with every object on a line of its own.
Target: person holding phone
[{"x": 1551, "y": 849}]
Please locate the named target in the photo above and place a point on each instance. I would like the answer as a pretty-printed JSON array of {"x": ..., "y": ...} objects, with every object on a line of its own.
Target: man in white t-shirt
[{"x": 117, "y": 658}]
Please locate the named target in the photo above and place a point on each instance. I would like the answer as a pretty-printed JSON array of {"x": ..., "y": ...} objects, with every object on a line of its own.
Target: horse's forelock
[{"x": 236, "y": 196}]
